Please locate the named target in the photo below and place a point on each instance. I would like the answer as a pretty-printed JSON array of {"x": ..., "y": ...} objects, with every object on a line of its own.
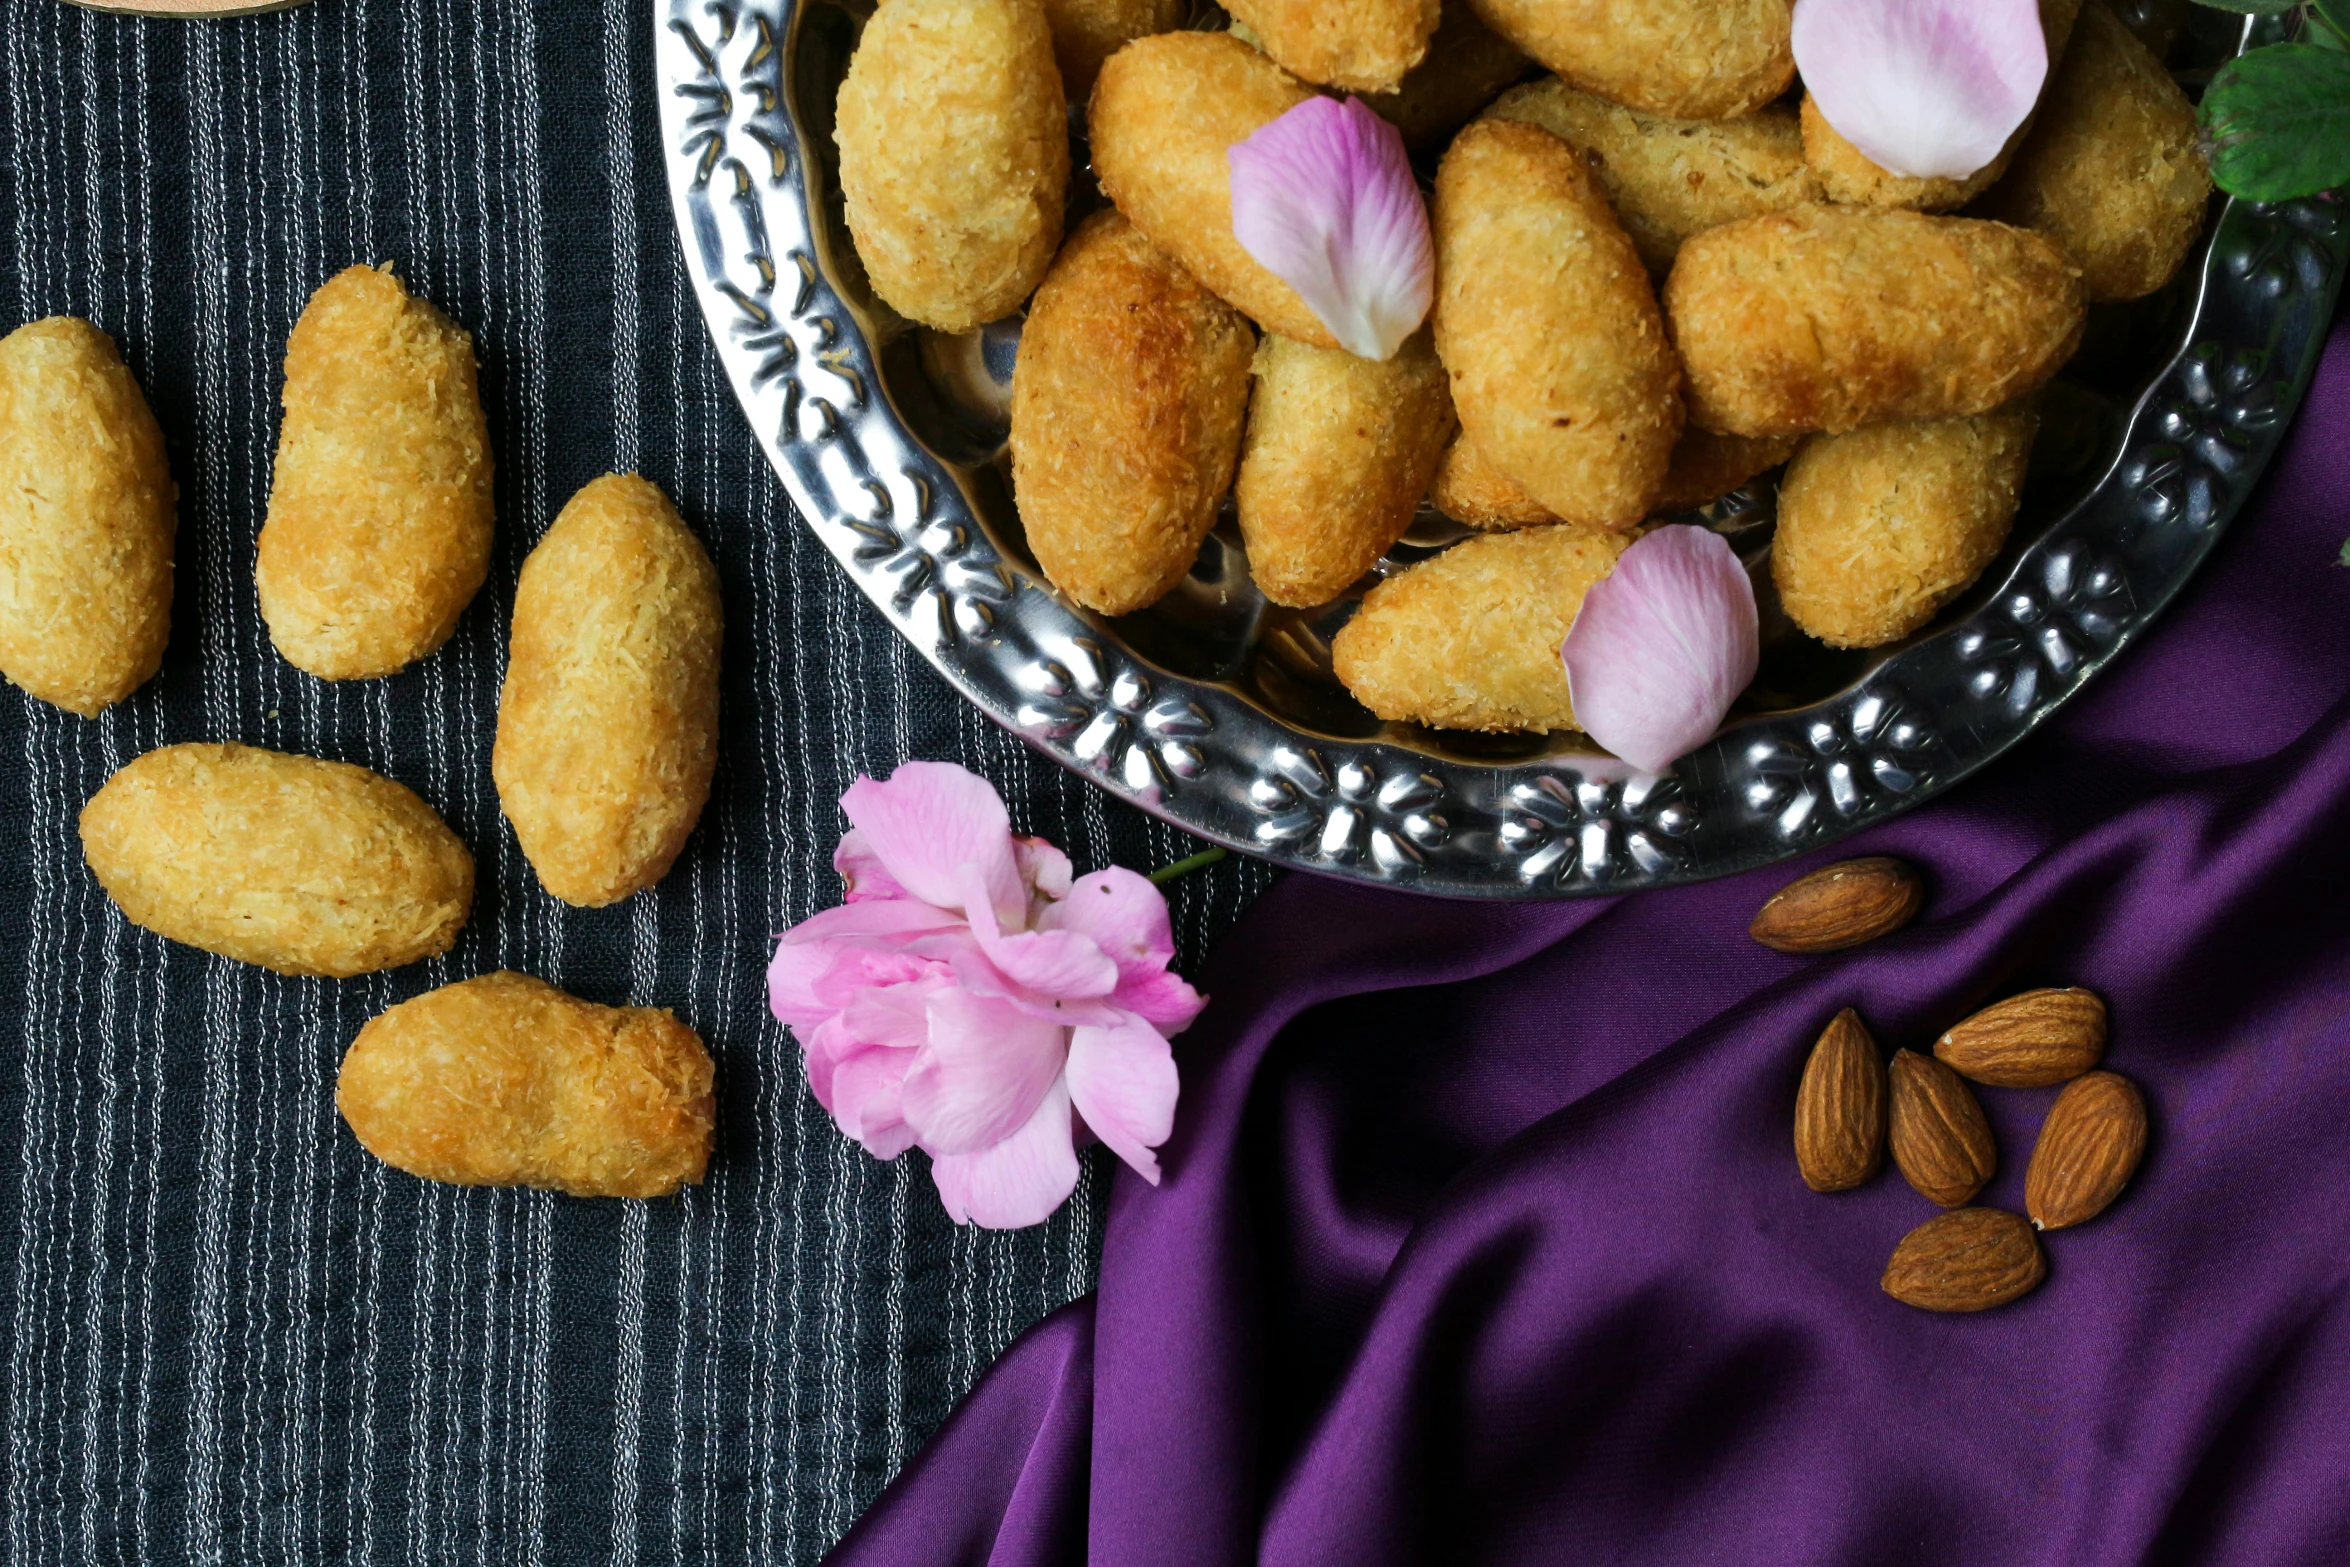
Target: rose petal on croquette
[
  {"x": 1662, "y": 646},
  {"x": 1323, "y": 197},
  {"x": 1925, "y": 88}
]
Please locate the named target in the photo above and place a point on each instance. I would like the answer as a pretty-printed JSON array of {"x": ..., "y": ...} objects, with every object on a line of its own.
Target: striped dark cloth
[{"x": 228, "y": 1334}]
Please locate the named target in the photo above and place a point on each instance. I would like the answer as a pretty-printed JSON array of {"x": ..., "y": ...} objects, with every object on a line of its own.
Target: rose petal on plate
[
  {"x": 1926, "y": 88},
  {"x": 1324, "y": 198},
  {"x": 1662, "y": 646}
]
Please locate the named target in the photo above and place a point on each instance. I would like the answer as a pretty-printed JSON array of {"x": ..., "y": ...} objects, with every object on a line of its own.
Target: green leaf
[
  {"x": 2346, "y": 552},
  {"x": 2251, "y": 7},
  {"x": 2327, "y": 23},
  {"x": 2279, "y": 122}
]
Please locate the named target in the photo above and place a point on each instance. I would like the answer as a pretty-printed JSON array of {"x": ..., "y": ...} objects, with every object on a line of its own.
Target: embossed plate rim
[{"x": 902, "y": 523}]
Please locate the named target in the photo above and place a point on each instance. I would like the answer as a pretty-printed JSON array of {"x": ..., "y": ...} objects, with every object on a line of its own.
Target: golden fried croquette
[
  {"x": 1846, "y": 174},
  {"x": 87, "y": 515},
  {"x": 608, "y": 727},
  {"x": 298, "y": 865},
  {"x": 379, "y": 519},
  {"x": 1474, "y": 493},
  {"x": 1548, "y": 325},
  {"x": 506, "y": 1081},
  {"x": 1471, "y": 638},
  {"x": 2113, "y": 172},
  {"x": 1127, "y": 403},
  {"x": 1363, "y": 45},
  {"x": 1693, "y": 59},
  {"x": 1829, "y": 318},
  {"x": 1087, "y": 32},
  {"x": 1706, "y": 467},
  {"x": 1339, "y": 452},
  {"x": 1467, "y": 64},
  {"x": 954, "y": 156},
  {"x": 1672, "y": 178},
  {"x": 1164, "y": 117},
  {"x": 1880, "y": 528}
]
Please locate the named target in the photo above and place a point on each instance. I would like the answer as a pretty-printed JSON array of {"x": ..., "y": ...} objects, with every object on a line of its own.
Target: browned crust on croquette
[
  {"x": 1127, "y": 405},
  {"x": 954, "y": 156},
  {"x": 1338, "y": 453},
  {"x": 1847, "y": 176},
  {"x": 1164, "y": 117},
  {"x": 506, "y": 1081},
  {"x": 1880, "y": 528},
  {"x": 299, "y": 865},
  {"x": 87, "y": 518},
  {"x": 1362, "y": 45},
  {"x": 1671, "y": 178},
  {"x": 381, "y": 511},
  {"x": 1467, "y": 64},
  {"x": 1474, "y": 493},
  {"x": 1087, "y": 32},
  {"x": 1829, "y": 318},
  {"x": 1695, "y": 59},
  {"x": 1706, "y": 467},
  {"x": 1471, "y": 638},
  {"x": 608, "y": 725},
  {"x": 2113, "y": 172},
  {"x": 1547, "y": 322}
]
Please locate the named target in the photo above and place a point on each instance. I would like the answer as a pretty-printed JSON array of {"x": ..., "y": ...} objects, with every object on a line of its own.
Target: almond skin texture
[
  {"x": 1941, "y": 1142},
  {"x": 1840, "y": 1109},
  {"x": 2089, "y": 1148},
  {"x": 1969, "y": 1260},
  {"x": 2035, "y": 1040},
  {"x": 1840, "y": 906}
]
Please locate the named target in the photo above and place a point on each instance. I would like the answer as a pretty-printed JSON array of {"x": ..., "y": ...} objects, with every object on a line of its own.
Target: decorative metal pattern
[{"x": 771, "y": 265}]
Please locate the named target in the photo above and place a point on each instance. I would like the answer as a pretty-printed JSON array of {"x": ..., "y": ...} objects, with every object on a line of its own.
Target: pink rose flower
[{"x": 971, "y": 1000}]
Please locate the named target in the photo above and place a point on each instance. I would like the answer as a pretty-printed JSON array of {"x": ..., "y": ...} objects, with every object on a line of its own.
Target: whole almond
[
  {"x": 1840, "y": 906},
  {"x": 1940, "y": 1139},
  {"x": 1968, "y": 1260},
  {"x": 2089, "y": 1148},
  {"x": 2035, "y": 1040},
  {"x": 1840, "y": 1109}
]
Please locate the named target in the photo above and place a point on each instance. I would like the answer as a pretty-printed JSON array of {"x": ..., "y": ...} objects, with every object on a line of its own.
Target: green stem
[{"x": 1181, "y": 868}]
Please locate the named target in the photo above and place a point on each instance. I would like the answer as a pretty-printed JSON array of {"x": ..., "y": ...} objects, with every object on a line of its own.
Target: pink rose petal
[
  {"x": 1019, "y": 1181},
  {"x": 1044, "y": 868},
  {"x": 1324, "y": 198},
  {"x": 868, "y": 1100},
  {"x": 1050, "y": 964},
  {"x": 1126, "y": 916},
  {"x": 928, "y": 821},
  {"x": 862, "y": 869},
  {"x": 981, "y": 1075},
  {"x": 939, "y": 1005},
  {"x": 1662, "y": 646},
  {"x": 1927, "y": 88},
  {"x": 1122, "y": 1080}
]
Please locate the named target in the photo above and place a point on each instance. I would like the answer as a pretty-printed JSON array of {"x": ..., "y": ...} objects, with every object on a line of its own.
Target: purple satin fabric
[{"x": 1482, "y": 1242}]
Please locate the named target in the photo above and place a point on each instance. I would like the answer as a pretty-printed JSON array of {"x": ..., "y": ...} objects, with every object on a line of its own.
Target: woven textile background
[{"x": 227, "y": 1334}]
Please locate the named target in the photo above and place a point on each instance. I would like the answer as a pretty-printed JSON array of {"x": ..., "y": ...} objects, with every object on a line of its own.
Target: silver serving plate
[{"x": 1218, "y": 711}]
